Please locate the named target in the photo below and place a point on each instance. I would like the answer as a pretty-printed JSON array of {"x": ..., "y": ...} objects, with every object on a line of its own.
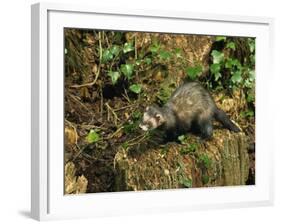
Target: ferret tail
[{"x": 221, "y": 116}]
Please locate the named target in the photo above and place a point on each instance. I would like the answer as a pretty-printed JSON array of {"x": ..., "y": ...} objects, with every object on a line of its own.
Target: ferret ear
[{"x": 159, "y": 118}]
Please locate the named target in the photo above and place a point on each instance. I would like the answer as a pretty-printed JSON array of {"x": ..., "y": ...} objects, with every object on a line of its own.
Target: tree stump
[{"x": 221, "y": 161}]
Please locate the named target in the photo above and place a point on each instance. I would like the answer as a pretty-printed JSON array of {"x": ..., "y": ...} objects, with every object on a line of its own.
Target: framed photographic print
[{"x": 148, "y": 111}]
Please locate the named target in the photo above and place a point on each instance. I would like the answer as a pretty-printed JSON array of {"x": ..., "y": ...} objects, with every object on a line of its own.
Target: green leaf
[
  {"x": 138, "y": 62},
  {"x": 148, "y": 60},
  {"x": 114, "y": 77},
  {"x": 220, "y": 38},
  {"x": 218, "y": 57},
  {"x": 205, "y": 160},
  {"x": 136, "y": 88},
  {"x": 237, "y": 63},
  {"x": 236, "y": 77},
  {"x": 186, "y": 182},
  {"x": 181, "y": 138},
  {"x": 127, "y": 70},
  {"x": 228, "y": 63},
  {"x": 115, "y": 50},
  {"x": 128, "y": 47},
  {"x": 192, "y": 147},
  {"x": 252, "y": 75},
  {"x": 107, "y": 55},
  {"x": 250, "y": 98},
  {"x": 249, "y": 113},
  {"x": 92, "y": 136},
  {"x": 217, "y": 76},
  {"x": 136, "y": 115},
  {"x": 125, "y": 145},
  {"x": 130, "y": 127},
  {"x": 164, "y": 54},
  {"x": 154, "y": 48},
  {"x": 231, "y": 45},
  {"x": 215, "y": 68},
  {"x": 194, "y": 72},
  {"x": 178, "y": 52}
]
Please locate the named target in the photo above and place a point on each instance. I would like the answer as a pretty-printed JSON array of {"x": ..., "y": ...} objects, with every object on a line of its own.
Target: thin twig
[
  {"x": 115, "y": 133},
  {"x": 139, "y": 141},
  {"x": 125, "y": 107},
  {"x": 75, "y": 98},
  {"x": 78, "y": 153},
  {"x": 139, "y": 136},
  {"x": 126, "y": 96},
  {"x": 90, "y": 126},
  {"x": 114, "y": 114}
]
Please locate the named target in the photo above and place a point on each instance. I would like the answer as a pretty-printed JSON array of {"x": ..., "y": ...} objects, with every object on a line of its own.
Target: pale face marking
[{"x": 148, "y": 122}]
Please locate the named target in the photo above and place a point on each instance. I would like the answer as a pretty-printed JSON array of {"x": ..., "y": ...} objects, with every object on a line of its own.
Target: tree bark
[{"x": 221, "y": 161}]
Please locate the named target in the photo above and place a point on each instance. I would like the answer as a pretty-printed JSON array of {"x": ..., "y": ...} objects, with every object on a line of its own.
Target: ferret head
[{"x": 152, "y": 118}]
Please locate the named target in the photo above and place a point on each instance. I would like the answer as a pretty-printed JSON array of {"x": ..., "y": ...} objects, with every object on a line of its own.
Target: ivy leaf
[
  {"x": 136, "y": 88},
  {"x": 218, "y": 57},
  {"x": 252, "y": 75},
  {"x": 237, "y": 63},
  {"x": 194, "y": 72},
  {"x": 251, "y": 98},
  {"x": 92, "y": 136},
  {"x": 114, "y": 77},
  {"x": 107, "y": 55},
  {"x": 236, "y": 77},
  {"x": 128, "y": 47},
  {"x": 164, "y": 54},
  {"x": 220, "y": 38},
  {"x": 230, "y": 62},
  {"x": 115, "y": 50},
  {"x": 215, "y": 70},
  {"x": 231, "y": 45},
  {"x": 127, "y": 70},
  {"x": 217, "y": 76}
]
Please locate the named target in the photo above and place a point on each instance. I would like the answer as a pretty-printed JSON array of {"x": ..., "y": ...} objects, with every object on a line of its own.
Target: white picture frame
[{"x": 48, "y": 201}]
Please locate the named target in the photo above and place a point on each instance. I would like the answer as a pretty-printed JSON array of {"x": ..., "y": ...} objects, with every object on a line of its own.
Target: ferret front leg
[{"x": 206, "y": 129}]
